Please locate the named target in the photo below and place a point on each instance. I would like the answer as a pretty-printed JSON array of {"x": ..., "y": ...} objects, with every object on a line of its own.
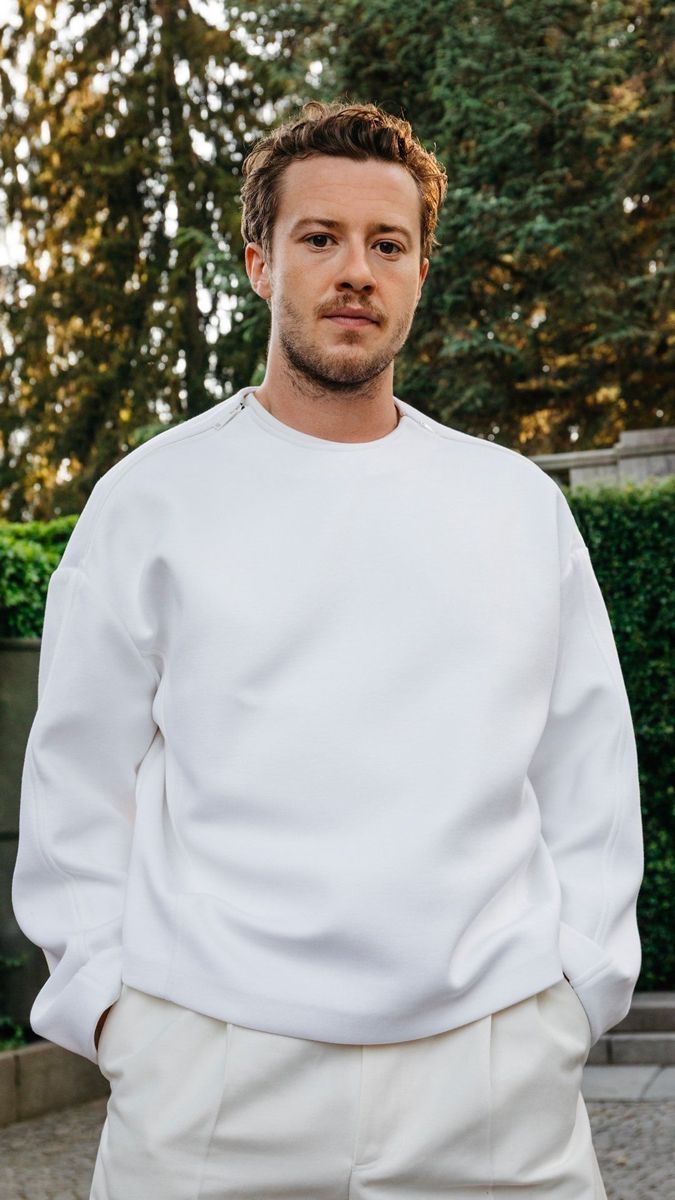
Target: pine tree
[
  {"x": 549, "y": 306},
  {"x": 134, "y": 122}
]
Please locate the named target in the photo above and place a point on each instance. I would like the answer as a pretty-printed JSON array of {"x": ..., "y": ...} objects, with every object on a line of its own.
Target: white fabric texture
[
  {"x": 332, "y": 740},
  {"x": 201, "y": 1109}
]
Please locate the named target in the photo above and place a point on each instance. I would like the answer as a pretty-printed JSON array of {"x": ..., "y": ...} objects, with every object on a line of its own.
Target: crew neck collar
[{"x": 264, "y": 418}]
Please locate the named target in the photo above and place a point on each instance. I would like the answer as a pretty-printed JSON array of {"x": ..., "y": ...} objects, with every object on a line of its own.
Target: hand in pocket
[{"x": 101, "y": 1023}]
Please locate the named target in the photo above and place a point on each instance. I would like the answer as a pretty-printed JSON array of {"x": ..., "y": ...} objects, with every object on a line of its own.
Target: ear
[
  {"x": 257, "y": 271},
  {"x": 424, "y": 270}
]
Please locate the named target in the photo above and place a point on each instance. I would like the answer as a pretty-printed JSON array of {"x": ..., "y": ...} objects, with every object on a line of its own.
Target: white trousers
[{"x": 202, "y": 1109}]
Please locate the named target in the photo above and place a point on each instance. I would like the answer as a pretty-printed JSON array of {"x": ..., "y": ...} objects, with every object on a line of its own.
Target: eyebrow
[{"x": 379, "y": 228}]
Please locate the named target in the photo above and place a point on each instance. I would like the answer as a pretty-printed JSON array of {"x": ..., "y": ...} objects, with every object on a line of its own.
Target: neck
[{"x": 345, "y": 413}]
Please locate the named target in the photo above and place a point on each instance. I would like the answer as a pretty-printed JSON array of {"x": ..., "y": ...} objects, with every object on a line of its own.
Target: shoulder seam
[
  {"x": 181, "y": 436},
  {"x": 457, "y": 436}
]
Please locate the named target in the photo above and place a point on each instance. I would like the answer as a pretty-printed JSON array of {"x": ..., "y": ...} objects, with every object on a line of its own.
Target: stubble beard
[{"x": 334, "y": 371}]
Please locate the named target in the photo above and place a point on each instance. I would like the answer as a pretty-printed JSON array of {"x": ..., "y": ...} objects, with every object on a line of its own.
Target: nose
[{"x": 356, "y": 273}]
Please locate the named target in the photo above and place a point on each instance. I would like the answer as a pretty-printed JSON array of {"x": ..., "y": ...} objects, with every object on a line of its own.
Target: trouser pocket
[
  {"x": 136, "y": 1021},
  {"x": 540, "y": 1133},
  {"x": 166, "y": 1065}
]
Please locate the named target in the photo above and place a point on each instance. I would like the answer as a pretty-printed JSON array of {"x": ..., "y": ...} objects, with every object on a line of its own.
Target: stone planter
[
  {"x": 43, "y": 1078},
  {"x": 39, "y": 1077},
  {"x": 19, "y": 661}
]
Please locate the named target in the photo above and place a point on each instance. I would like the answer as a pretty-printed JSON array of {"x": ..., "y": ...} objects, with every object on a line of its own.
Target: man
[{"x": 330, "y": 822}]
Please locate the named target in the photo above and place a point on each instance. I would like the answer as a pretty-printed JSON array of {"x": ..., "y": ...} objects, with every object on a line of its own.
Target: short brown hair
[{"x": 358, "y": 131}]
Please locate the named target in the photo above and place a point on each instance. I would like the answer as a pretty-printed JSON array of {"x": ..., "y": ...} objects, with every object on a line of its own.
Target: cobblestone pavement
[{"x": 52, "y": 1157}]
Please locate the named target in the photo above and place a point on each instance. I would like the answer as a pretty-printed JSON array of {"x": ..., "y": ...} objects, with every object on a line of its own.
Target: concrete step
[
  {"x": 633, "y": 1048},
  {"x": 650, "y": 1012},
  {"x": 645, "y": 1036},
  {"x": 628, "y": 1083}
]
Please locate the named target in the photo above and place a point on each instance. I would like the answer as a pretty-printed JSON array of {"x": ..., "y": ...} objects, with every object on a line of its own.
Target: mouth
[{"x": 350, "y": 322}]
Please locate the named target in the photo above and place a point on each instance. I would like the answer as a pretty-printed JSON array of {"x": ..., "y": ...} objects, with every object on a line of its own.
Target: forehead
[{"x": 347, "y": 190}]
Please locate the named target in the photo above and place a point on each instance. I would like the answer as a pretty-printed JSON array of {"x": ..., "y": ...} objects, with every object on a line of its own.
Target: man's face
[{"x": 347, "y": 235}]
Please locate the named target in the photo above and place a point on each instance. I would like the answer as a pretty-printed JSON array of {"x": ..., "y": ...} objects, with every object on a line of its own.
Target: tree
[
  {"x": 134, "y": 122},
  {"x": 547, "y": 319},
  {"x": 549, "y": 306}
]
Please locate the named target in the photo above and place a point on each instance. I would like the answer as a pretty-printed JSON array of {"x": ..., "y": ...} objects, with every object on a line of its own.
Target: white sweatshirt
[{"x": 332, "y": 740}]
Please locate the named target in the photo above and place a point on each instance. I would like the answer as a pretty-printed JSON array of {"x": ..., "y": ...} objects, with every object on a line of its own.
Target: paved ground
[{"x": 52, "y": 1157}]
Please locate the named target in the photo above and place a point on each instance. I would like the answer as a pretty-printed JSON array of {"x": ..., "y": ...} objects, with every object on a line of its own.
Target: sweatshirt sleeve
[
  {"x": 585, "y": 775},
  {"x": 93, "y": 725}
]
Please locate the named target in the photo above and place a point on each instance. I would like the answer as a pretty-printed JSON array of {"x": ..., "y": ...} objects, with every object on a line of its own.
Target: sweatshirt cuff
[
  {"x": 67, "y": 1014},
  {"x": 604, "y": 989}
]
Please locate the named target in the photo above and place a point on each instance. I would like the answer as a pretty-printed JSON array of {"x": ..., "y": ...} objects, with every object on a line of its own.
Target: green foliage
[
  {"x": 548, "y": 308},
  {"x": 549, "y": 303},
  {"x": 29, "y": 554},
  {"x": 13, "y": 1033},
  {"x": 630, "y": 532},
  {"x": 106, "y": 335}
]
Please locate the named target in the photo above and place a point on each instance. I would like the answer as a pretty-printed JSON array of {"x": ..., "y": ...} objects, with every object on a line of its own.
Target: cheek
[
  {"x": 401, "y": 297},
  {"x": 301, "y": 284},
  {"x": 400, "y": 287}
]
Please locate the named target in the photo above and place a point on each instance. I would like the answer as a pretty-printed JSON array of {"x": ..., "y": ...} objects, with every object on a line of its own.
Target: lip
[{"x": 352, "y": 318}]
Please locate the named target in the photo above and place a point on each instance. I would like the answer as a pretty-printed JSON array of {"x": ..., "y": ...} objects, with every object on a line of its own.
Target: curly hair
[{"x": 357, "y": 131}]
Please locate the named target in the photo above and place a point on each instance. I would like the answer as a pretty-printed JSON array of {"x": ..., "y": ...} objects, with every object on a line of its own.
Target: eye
[
  {"x": 312, "y": 236},
  {"x": 393, "y": 245}
]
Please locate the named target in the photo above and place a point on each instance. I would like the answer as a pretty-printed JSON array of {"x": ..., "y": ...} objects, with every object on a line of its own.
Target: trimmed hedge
[
  {"x": 630, "y": 534},
  {"x": 29, "y": 552},
  {"x": 629, "y": 531}
]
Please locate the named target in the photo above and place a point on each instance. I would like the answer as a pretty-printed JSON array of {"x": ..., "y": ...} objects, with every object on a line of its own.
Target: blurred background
[{"x": 547, "y": 322}]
